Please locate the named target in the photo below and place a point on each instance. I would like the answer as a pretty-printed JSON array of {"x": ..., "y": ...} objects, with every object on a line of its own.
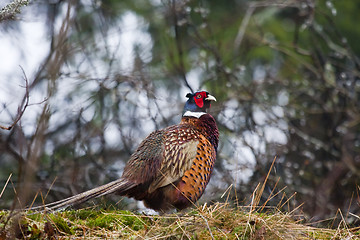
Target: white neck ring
[{"x": 193, "y": 114}]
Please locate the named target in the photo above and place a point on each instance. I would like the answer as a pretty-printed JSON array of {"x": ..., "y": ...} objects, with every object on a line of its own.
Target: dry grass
[{"x": 216, "y": 221}]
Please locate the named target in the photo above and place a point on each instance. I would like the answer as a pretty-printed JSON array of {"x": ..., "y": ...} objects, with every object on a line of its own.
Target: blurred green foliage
[{"x": 285, "y": 73}]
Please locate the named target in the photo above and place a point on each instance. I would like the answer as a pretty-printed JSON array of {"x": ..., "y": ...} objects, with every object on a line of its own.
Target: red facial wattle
[
  {"x": 199, "y": 99},
  {"x": 199, "y": 102}
]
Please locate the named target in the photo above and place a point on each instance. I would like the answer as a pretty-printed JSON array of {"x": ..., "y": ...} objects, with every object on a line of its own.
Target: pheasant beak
[{"x": 210, "y": 98}]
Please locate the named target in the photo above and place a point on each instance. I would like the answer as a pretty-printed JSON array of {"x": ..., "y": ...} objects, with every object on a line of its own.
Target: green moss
[
  {"x": 111, "y": 220},
  {"x": 35, "y": 231},
  {"x": 238, "y": 230},
  {"x": 61, "y": 224},
  {"x": 102, "y": 221},
  {"x": 133, "y": 221},
  {"x": 35, "y": 216},
  {"x": 83, "y": 214}
]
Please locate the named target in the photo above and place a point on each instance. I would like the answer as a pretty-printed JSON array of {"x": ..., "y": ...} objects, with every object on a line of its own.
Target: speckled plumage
[
  {"x": 171, "y": 167},
  {"x": 176, "y": 170}
]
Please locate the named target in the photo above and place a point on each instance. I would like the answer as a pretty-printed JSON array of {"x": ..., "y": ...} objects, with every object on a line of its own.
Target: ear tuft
[{"x": 189, "y": 95}]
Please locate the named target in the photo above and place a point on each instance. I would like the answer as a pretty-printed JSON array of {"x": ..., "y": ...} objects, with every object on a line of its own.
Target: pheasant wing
[
  {"x": 178, "y": 155},
  {"x": 163, "y": 156}
]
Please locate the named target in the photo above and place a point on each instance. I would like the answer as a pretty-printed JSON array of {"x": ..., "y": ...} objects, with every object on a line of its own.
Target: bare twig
[
  {"x": 23, "y": 106},
  {"x": 179, "y": 47},
  {"x": 207, "y": 225},
  {"x": 7, "y": 181},
  {"x": 259, "y": 194},
  {"x": 243, "y": 26}
]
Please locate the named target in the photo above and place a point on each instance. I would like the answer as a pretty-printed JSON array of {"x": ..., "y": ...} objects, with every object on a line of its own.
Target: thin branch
[
  {"x": 179, "y": 48},
  {"x": 7, "y": 181},
  {"x": 242, "y": 28},
  {"x": 23, "y": 106}
]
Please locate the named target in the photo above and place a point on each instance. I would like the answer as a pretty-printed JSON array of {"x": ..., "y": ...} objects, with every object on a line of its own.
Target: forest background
[{"x": 84, "y": 81}]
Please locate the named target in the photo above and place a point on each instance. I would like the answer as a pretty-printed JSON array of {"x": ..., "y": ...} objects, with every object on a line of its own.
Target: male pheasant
[{"x": 171, "y": 167}]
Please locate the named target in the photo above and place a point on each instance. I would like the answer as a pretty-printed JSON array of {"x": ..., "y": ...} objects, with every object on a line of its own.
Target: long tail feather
[{"x": 119, "y": 185}]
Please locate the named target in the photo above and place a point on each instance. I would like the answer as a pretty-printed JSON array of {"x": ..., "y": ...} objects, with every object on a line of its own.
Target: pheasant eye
[{"x": 198, "y": 96}]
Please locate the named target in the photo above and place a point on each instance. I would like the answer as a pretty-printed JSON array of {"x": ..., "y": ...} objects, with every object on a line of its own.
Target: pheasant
[{"x": 171, "y": 167}]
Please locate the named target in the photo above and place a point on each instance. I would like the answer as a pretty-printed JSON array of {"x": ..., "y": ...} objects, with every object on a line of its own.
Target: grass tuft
[{"x": 218, "y": 221}]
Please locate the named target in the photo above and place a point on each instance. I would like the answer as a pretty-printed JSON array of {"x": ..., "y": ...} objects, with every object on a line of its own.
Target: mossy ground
[{"x": 218, "y": 221}]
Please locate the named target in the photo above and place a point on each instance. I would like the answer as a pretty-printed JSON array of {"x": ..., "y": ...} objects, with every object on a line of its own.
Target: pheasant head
[
  {"x": 195, "y": 114},
  {"x": 197, "y": 104}
]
